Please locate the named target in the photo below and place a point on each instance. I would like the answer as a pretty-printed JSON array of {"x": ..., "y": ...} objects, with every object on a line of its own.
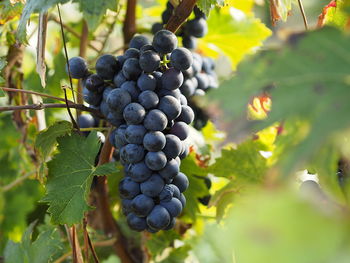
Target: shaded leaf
[
  {"x": 47, "y": 139},
  {"x": 70, "y": 175},
  {"x": 305, "y": 83},
  {"x": 42, "y": 250},
  {"x": 33, "y": 6},
  {"x": 94, "y": 10},
  {"x": 207, "y": 5},
  {"x": 160, "y": 241}
]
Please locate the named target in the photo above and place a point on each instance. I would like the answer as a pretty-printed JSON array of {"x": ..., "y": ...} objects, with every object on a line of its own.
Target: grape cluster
[
  {"x": 201, "y": 76},
  {"x": 139, "y": 93},
  {"x": 190, "y": 31}
]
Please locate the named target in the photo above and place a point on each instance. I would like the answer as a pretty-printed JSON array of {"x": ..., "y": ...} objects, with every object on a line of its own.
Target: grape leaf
[
  {"x": 244, "y": 32},
  {"x": 2, "y": 65},
  {"x": 276, "y": 220},
  {"x": 177, "y": 255},
  {"x": 160, "y": 241},
  {"x": 33, "y": 6},
  {"x": 197, "y": 187},
  {"x": 244, "y": 163},
  {"x": 207, "y": 5},
  {"x": 42, "y": 250},
  {"x": 9, "y": 11},
  {"x": 70, "y": 175},
  {"x": 94, "y": 10},
  {"x": 305, "y": 83},
  {"x": 47, "y": 139}
]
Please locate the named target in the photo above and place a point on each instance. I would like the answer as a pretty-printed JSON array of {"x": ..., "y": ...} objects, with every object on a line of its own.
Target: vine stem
[
  {"x": 182, "y": 12},
  {"x": 303, "y": 14},
  {"x": 129, "y": 26},
  {"x": 15, "y": 182},
  {"x": 34, "y": 93},
  {"x": 41, "y": 106}
]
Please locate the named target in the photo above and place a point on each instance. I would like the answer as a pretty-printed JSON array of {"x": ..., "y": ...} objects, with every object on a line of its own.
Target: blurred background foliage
[{"x": 282, "y": 107}]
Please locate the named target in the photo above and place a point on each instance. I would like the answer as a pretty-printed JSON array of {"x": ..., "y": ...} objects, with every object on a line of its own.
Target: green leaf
[
  {"x": 93, "y": 11},
  {"x": 160, "y": 241},
  {"x": 244, "y": 34},
  {"x": 33, "y": 6},
  {"x": 306, "y": 83},
  {"x": 42, "y": 250},
  {"x": 9, "y": 11},
  {"x": 177, "y": 255},
  {"x": 47, "y": 139},
  {"x": 70, "y": 175},
  {"x": 197, "y": 188},
  {"x": 244, "y": 163},
  {"x": 2, "y": 81},
  {"x": 277, "y": 220},
  {"x": 207, "y": 5}
]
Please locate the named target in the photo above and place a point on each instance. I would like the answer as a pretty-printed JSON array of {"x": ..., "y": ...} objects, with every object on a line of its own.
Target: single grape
[
  {"x": 203, "y": 81},
  {"x": 77, "y": 67},
  {"x": 152, "y": 186},
  {"x": 149, "y": 61},
  {"x": 187, "y": 88},
  {"x": 156, "y": 27},
  {"x": 94, "y": 83},
  {"x": 86, "y": 121},
  {"x": 189, "y": 42},
  {"x": 167, "y": 193},
  {"x": 130, "y": 87},
  {"x": 170, "y": 106},
  {"x": 106, "y": 92},
  {"x": 138, "y": 42},
  {"x": 176, "y": 191},
  {"x": 142, "y": 205},
  {"x": 148, "y": 99},
  {"x": 135, "y": 134},
  {"x": 93, "y": 98},
  {"x": 118, "y": 99},
  {"x": 185, "y": 151},
  {"x": 107, "y": 66},
  {"x": 134, "y": 113},
  {"x": 176, "y": 93},
  {"x": 114, "y": 118},
  {"x": 186, "y": 115},
  {"x": 172, "y": 147},
  {"x": 155, "y": 120},
  {"x": 146, "y": 82},
  {"x": 120, "y": 139},
  {"x": 164, "y": 41},
  {"x": 158, "y": 76},
  {"x": 154, "y": 141},
  {"x": 159, "y": 218},
  {"x": 181, "y": 58},
  {"x": 132, "y": 53},
  {"x": 132, "y": 153},
  {"x": 139, "y": 172},
  {"x": 182, "y": 199},
  {"x": 126, "y": 206},
  {"x": 180, "y": 129},
  {"x": 155, "y": 160},
  {"x": 146, "y": 47},
  {"x": 170, "y": 170},
  {"x": 104, "y": 108},
  {"x": 183, "y": 100},
  {"x": 128, "y": 188},
  {"x": 131, "y": 68},
  {"x": 173, "y": 206},
  {"x": 172, "y": 79},
  {"x": 197, "y": 27},
  {"x": 136, "y": 223},
  {"x": 181, "y": 181}
]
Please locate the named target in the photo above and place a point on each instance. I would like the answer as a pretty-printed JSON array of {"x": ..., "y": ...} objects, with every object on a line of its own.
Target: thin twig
[
  {"x": 34, "y": 92},
  {"x": 92, "y": 249},
  {"x": 182, "y": 12},
  {"x": 303, "y": 14},
  {"x": 42, "y": 106},
  {"x": 65, "y": 51},
  {"x": 15, "y": 182}
]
